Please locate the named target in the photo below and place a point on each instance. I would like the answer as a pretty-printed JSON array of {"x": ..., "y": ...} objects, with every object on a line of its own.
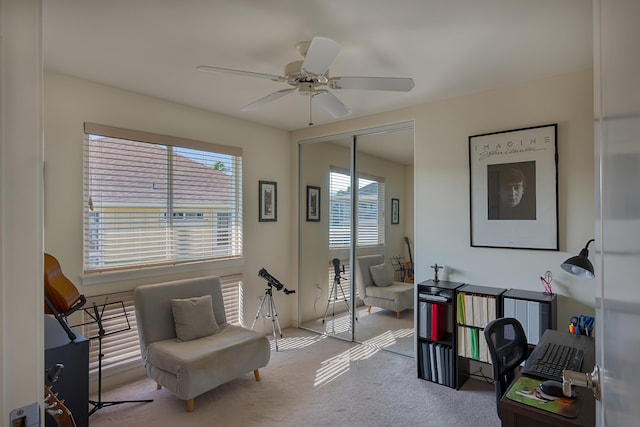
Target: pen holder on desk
[{"x": 582, "y": 325}]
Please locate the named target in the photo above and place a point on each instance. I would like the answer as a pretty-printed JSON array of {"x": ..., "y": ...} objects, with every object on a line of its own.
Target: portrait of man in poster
[{"x": 511, "y": 191}]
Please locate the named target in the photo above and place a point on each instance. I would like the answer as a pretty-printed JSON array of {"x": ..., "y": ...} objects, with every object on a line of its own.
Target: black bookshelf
[
  {"x": 436, "y": 332},
  {"x": 475, "y": 307},
  {"x": 536, "y": 311}
]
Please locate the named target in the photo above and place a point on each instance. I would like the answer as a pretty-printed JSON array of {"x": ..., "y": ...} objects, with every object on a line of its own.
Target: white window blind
[
  {"x": 120, "y": 343},
  {"x": 152, "y": 200},
  {"x": 370, "y": 220}
]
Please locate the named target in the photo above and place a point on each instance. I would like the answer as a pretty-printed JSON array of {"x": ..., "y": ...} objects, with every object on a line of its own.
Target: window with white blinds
[
  {"x": 370, "y": 220},
  {"x": 117, "y": 313},
  {"x": 152, "y": 200}
]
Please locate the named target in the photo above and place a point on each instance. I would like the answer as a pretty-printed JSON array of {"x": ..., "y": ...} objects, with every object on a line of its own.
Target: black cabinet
[
  {"x": 437, "y": 332},
  {"x": 475, "y": 307},
  {"x": 73, "y": 384},
  {"x": 451, "y": 320},
  {"x": 536, "y": 311}
]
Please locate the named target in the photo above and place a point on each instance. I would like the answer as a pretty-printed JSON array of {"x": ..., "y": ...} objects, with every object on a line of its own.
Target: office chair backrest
[{"x": 507, "y": 343}]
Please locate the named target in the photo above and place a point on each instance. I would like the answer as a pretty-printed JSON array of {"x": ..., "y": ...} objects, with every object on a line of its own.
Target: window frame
[{"x": 234, "y": 249}]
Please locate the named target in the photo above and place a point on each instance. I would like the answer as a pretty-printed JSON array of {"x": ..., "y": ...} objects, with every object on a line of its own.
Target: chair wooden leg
[
  {"x": 397, "y": 314},
  {"x": 158, "y": 386},
  {"x": 369, "y": 309},
  {"x": 256, "y": 374},
  {"x": 190, "y": 403}
]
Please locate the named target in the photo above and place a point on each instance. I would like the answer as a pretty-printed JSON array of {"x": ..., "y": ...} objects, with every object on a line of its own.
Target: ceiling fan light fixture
[{"x": 311, "y": 77}]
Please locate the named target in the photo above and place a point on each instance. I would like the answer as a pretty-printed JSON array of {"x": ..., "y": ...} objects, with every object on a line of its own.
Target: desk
[{"x": 521, "y": 415}]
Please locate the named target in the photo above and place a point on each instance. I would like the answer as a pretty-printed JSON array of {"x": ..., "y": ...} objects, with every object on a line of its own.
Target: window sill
[{"x": 221, "y": 267}]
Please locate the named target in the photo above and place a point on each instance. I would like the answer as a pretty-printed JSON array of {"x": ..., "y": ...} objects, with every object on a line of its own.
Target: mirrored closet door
[{"x": 378, "y": 216}]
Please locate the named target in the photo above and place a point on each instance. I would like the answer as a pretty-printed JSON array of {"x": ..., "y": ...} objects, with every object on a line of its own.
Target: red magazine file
[{"x": 438, "y": 321}]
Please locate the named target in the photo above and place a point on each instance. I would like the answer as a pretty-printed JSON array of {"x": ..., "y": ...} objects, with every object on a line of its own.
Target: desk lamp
[{"x": 580, "y": 265}]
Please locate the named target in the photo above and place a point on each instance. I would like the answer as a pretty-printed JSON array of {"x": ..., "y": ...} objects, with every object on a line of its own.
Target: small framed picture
[
  {"x": 268, "y": 201},
  {"x": 313, "y": 203},
  {"x": 395, "y": 211}
]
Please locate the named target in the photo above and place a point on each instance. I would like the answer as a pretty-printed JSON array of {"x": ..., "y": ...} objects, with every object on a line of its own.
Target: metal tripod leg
[
  {"x": 271, "y": 312},
  {"x": 259, "y": 309},
  {"x": 332, "y": 301},
  {"x": 274, "y": 320}
]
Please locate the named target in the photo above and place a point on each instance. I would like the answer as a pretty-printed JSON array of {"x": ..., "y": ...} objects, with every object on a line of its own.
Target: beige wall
[
  {"x": 441, "y": 180},
  {"x": 69, "y": 102}
]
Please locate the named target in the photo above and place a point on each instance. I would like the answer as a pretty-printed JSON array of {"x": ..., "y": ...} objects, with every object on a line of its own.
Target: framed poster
[
  {"x": 514, "y": 188},
  {"x": 395, "y": 211},
  {"x": 268, "y": 201},
  {"x": 313, "y": 203}
]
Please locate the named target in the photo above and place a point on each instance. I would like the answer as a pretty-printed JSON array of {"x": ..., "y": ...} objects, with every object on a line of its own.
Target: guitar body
[
  {"x": 55, "y": 408},
  {"x": 408, "y": 267},
  {"x": 59, "y": 290}
]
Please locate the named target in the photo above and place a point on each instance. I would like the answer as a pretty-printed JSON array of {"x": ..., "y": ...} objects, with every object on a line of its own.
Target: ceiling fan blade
[
  {"x": 331, "y": 104},
  {"x": 322, "y": 51},
  {"x": 267, "y": 99},
  {"x": 372, "y": 83},
  {"x": 207, "y": 68}
]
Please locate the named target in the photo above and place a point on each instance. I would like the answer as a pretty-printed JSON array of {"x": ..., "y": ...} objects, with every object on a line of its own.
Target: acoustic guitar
[
  {"x": 408, "y": 268},
  {"x": 61, "y": 297},
  {"x": 55, "y": 408}
]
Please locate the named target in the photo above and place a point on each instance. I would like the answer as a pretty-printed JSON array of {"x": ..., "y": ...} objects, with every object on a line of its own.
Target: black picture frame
[
  {"x": 268, "y": 201},
  {"x": 513, "y": 188},
  {"x": 395, "y": 211},
  {"x": 313, "y": 203}
]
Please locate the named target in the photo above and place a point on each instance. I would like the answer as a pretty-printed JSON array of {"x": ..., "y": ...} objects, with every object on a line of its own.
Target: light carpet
[
  {"x": 313, "y": 380},
  {"x": 379, "y": 328}
]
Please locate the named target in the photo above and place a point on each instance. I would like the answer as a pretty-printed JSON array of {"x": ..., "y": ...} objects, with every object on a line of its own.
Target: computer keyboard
[{"x": 547, "y": 360}]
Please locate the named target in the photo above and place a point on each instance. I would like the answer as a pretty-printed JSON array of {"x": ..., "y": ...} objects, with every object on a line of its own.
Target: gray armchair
[
  {"x": 198, "y": 351},
  {"x": 394, "y": 296}
]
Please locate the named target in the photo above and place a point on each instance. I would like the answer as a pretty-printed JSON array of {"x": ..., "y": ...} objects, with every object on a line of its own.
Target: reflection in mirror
[
  {"x": 325, "y": 296},
  {"x": 381, "y": 316},
  {"x": 385, "y": 224}
]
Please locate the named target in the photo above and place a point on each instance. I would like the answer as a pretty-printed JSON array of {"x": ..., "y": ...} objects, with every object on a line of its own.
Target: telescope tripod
[
  {"x": 333, "y": 296},
  {"x": 271, "y": 313}
]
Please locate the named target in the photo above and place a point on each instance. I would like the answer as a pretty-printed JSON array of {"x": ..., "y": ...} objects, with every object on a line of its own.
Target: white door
[{"x": 617, "y": 135}]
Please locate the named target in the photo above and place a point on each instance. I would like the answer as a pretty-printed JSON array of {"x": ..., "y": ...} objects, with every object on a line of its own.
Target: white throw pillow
[
  {"x": 381, "y": 275},
  {"x": 193, "y": 317}
]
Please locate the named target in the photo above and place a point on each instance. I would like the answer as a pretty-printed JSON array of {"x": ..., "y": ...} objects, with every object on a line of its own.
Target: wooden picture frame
[
  {"x": 313, "y": 203},
  {"x": 268, "y": 201},
  {"x": 395, "y": 211},
  {"x": 513, "y": 185}
]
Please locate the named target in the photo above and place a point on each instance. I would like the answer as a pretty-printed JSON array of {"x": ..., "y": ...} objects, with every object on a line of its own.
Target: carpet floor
[
  {"x": 379, "y": 328},
  {"x": 313, "y": 380}
]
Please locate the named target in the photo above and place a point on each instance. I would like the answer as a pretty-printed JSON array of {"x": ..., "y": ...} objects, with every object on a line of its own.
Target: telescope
[
  {"x": 273, "y": 281},
  {"x": 336, "y": 268}
]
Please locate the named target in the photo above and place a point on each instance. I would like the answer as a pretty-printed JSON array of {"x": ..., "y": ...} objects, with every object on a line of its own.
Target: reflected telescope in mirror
[
  {"x": 273, "y": 281},
  {"x": 336, "y": 267}
]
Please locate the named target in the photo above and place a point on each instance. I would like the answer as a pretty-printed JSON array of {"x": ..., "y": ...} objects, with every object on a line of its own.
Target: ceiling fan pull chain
[{"x": 310, "y": 107}]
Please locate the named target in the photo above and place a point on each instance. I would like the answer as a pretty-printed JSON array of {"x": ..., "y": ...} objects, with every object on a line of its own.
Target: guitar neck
[
  {"x": 406, "y": 239},
  {"x": 55, "y": 407}
]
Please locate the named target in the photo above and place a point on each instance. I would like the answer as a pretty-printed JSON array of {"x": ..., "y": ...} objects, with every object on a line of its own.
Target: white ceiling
[{"x": 449, "y": 47}]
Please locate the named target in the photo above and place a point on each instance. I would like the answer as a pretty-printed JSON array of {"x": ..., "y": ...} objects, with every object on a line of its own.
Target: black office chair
[{"x": 507, "y": 343}]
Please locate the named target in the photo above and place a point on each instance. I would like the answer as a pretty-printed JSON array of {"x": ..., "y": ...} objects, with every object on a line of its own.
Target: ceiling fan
[{"x": 311, "y": 77}]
